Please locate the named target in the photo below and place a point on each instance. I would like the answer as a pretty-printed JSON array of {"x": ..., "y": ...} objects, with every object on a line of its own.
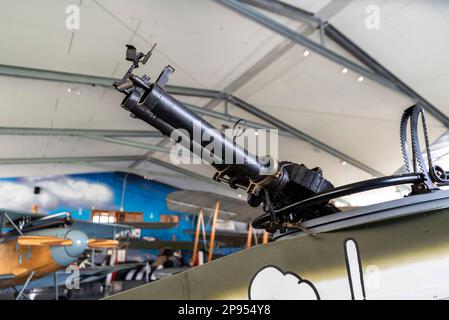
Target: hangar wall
[{"x": 79, "y": 194}]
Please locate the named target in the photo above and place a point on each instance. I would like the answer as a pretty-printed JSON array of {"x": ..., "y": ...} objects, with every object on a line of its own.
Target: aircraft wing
[
  {"x": 190, "y": 202},
  {"x": 86, "y": 275},
  {"x": 15, "y": 215},
  {"x": 150, "y": 245},
  {"x": 230, "y": 238},
  {"x": 152, "y": 225},
  {"x": 100, "y": 230},
  {"x": 167, "y": 272},
  {"x": 104, "y": 270},
  {"x": 93, "y": 230},
  {"x": 6, "y": 276}
]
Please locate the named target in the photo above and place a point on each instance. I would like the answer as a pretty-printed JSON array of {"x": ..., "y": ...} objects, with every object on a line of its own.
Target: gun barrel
[
  {"x": 154, "y": 106},
  {"x": 274, "y": 184}
]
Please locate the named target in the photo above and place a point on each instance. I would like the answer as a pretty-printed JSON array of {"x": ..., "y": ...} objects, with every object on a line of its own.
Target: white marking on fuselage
[{"x": 354, "y": 270}]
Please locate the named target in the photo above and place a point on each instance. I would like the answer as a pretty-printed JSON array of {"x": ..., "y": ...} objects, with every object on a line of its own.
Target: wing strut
[
  {"x": 12, "y": 223},
  {"x": 19, "y": 296}
]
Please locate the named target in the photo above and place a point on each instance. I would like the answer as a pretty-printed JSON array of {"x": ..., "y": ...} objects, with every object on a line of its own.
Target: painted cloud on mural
[
  {"x": 55, "y": 191},
  {"x": 271, "y": 283}
]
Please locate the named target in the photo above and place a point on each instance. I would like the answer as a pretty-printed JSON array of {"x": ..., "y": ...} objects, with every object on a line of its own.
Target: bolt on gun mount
[{"x": 268, "y": 182}]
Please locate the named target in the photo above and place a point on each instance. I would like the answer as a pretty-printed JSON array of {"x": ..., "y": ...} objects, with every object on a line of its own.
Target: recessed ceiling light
[
  {"x": 69, "y": 90},
  {"x": 306, "y": 53},
  {"x": 256, "y": 133},
  {"x": 360, "y": 79},
  {"x": 343, "y": 163},
  {"x": 240, "y": 195},
  {"x": 344, "y": 70}
]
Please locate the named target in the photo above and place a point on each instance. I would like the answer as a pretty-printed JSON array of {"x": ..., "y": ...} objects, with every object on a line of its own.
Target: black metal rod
[
  {"x": 174, "y": 113},
  {"x": 357, "y": 187},
  {"x": 142, "y": 112}
]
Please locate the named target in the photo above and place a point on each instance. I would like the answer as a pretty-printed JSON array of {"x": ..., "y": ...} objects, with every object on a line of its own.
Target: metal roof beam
[
  {"x": 344, "y": 42},
  {"x": 303, "y": 136},
  {"x": 285, "y": 10},
  {"x": 186, "y": 91},
  {"x": 231, "y": 118},
  {"x": 273, "y": 25},
  {"x": 48, "y": 75},
  {"x": 17, "y": 131},
  {"x": 147, "y": 174},
  {"x": 178, "y": 169},
  {"x": 379, "y": 73},
  {"x": 74, "y": 160},
  {"x": 128, "y": 143},
  {"x": 96, "y": 161},
  {"x": 183, "y": 171}
]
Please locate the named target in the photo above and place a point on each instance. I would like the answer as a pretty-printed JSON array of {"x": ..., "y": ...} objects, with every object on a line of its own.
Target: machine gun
[{"x": 289, "y": 192}]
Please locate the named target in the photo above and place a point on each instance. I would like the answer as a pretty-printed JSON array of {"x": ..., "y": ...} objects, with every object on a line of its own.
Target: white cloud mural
[
  {"x": 271, "y": 283},
  {"x": 55, "y": 191}
]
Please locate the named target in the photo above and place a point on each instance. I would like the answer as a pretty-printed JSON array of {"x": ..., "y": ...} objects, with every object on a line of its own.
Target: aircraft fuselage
[{"x": 18, "y": 261}]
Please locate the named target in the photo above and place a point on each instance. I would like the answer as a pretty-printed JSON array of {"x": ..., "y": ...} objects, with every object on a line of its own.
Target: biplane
[{"x": 34, "y": 245}]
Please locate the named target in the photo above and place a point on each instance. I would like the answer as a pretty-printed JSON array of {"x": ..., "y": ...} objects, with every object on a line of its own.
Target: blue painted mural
[{"x": 79, "y": 194}]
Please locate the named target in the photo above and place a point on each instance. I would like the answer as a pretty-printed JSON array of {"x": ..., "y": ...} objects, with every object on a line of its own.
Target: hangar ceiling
[{"x": 213, "y": 47}]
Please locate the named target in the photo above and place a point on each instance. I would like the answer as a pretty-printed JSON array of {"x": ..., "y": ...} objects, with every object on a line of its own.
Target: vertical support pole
[
  {"x": 55, "y": 279},
  {"x": 212, "y": 232},
  {"x": 147, "y": 272},
  {"x": 256, "y": 239},
  {"x": 2, "y": 219},
  {"x": 249, "y": 236},
  {"x": 203, "y": 233},
  {"x": 122, "y": 200},
  {"x": 265, "y": 237},
  {"x": 34, "y": 209},
  {"x": 109, "y": 277},
  {"x": 197, "y": 235},
  {"x": 321, "y": 27},
  {"x": 226, "y": 110}
]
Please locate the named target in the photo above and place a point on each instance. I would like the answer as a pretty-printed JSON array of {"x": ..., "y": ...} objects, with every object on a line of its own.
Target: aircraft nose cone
[{"x": 79, "y": 243}]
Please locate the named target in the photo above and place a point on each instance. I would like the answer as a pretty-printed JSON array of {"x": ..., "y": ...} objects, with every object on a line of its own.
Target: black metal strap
[
  {"x": 357, "y": 187},
  {"x": 412, "y": 115}
]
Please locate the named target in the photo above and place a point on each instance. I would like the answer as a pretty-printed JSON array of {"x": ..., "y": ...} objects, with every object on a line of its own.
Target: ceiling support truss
[
  {"x": 371, "y": 68},
  {"x": 283, "y": 127},
  {"x": 106, "y": 162}
]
